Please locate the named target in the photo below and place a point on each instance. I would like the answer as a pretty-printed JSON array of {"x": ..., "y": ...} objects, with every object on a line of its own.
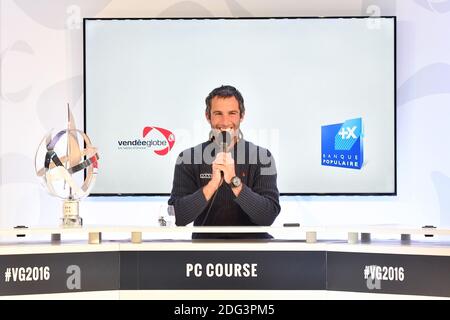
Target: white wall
[{"x": 41, "y": 70}]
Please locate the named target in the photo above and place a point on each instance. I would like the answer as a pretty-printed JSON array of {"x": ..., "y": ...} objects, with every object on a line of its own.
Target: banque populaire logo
[
  {"x": 342, "y": 144},
  {"x": 159, "y": 146}
]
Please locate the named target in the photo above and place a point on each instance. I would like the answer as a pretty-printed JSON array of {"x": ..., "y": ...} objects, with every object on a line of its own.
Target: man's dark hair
[{"x": 225, "y": 92}]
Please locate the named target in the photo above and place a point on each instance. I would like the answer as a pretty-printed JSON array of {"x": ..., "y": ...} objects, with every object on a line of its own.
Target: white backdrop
[{"x": 41, "y": 70}]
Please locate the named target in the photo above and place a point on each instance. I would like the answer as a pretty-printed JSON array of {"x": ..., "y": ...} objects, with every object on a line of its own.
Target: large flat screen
[{"x": 319, "y": 94}]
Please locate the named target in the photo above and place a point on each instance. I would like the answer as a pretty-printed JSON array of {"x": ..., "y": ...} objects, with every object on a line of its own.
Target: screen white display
[{"x": 319, "y": 94}]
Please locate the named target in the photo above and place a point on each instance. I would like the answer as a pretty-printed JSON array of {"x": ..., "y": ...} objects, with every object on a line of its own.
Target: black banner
[
  {"x": 225, "y": 270},
  {"x": 389, "y": 273},
  {"x": 59, "y": 272},
  {"x": 238, "y": 270}
]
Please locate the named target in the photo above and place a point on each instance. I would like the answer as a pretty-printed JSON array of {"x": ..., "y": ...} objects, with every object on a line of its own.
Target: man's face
[{"x": 225, "y": 115}]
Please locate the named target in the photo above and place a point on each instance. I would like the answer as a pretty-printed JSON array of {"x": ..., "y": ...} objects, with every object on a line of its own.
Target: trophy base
[{"x": 71, "y": 218}]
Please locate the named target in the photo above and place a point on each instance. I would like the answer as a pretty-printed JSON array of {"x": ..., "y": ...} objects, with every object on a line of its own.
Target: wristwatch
[{"x": 235, "y": 182}]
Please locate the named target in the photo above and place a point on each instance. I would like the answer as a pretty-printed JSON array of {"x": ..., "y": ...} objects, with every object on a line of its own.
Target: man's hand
[
  {"x": 225, "y": 163},
  {"x": 214, "y": 183}
]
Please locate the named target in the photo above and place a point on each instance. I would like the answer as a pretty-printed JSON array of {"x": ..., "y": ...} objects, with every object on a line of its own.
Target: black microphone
[{"x": 225, "y": 140}]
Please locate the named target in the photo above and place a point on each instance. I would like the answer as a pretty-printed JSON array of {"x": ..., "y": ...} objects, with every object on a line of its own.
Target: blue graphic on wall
[{"x": 342, "y": 144}]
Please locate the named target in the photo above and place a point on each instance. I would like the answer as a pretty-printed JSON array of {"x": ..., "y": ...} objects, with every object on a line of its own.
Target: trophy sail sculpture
[{"x": 58, "y": 172}]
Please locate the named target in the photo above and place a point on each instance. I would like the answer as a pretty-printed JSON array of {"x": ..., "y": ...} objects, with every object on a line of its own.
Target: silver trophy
[{"x": 69, "y": 171}]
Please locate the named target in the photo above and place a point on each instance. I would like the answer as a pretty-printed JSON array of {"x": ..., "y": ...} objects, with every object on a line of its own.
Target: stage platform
[{"x": 153, "y": 263}]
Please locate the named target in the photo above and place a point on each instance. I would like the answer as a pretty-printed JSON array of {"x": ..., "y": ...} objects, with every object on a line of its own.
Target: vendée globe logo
[
  {"x": 159, "y": 146},
  {"x": 342, "y": 144}
]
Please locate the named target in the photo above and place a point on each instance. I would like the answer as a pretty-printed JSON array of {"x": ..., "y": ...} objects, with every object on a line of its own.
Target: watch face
[{"x": 236, "y": 181}]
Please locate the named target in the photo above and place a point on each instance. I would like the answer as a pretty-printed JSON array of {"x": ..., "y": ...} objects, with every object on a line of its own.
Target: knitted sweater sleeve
[
  {"x": 261, "y": 201},
  {"x": 186, "y": 197}
]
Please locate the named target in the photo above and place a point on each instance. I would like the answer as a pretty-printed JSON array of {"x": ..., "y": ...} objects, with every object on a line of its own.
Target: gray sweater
[{"x": 257, "y": 204}]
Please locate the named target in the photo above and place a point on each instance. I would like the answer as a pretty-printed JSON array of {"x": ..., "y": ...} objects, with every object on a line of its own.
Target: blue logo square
[{"x": 342, "y": 144}]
